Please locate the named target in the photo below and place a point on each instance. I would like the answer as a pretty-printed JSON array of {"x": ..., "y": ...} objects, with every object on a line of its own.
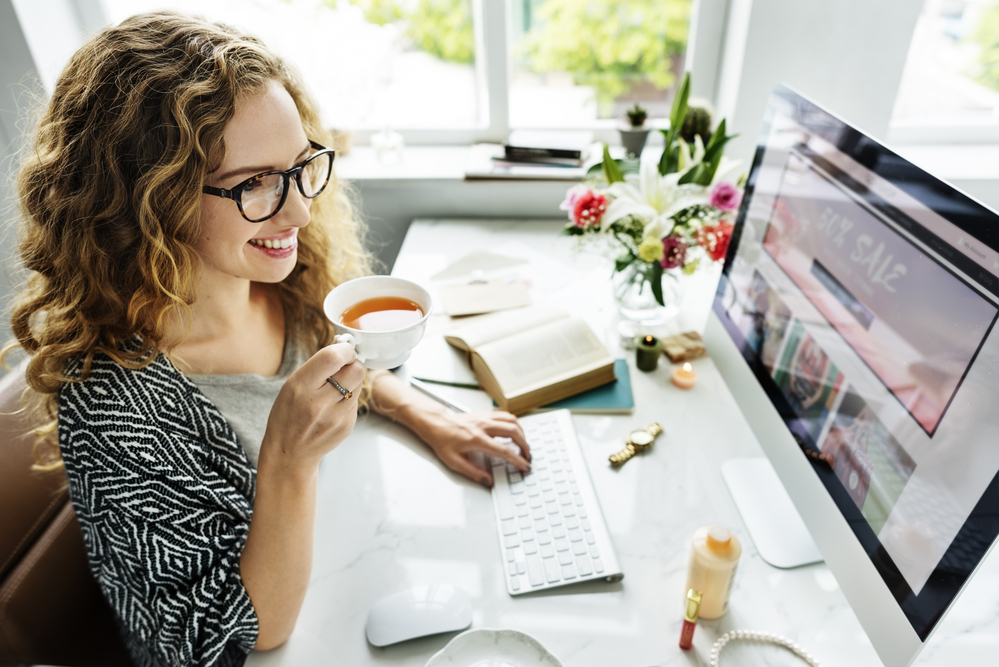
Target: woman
[{"x": 181, "y": 226}]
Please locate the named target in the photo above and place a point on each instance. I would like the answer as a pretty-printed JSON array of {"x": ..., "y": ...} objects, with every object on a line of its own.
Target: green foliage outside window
[
  {"x": 442, "y": 28},
  {"x": 986, "y": 35},
  {"x": 609, "y": 44}
]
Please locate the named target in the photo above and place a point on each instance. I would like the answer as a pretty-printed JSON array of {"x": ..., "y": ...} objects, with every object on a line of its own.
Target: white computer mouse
[{"x": 417, "y": 612}]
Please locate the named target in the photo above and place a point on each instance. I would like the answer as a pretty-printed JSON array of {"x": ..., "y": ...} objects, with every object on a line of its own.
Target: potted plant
[{"x": 634, "y": 133}]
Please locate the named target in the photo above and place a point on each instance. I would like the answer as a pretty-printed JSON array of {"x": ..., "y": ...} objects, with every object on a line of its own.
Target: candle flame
[{"x": 687, "y": 367}]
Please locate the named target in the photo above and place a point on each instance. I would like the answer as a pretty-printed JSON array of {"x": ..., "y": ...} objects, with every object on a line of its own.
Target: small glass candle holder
[{"x": 647, "y": 351}]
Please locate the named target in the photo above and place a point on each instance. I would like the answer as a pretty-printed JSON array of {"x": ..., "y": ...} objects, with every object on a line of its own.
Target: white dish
[{"x": 485, "y": 647}]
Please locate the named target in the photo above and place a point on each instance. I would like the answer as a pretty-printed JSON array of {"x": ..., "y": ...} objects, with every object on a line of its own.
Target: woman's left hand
[{"x": 453, "y": 436}]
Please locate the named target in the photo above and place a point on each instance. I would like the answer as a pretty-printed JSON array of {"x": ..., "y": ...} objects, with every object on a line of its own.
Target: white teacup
[{"x": 378, "y": 349}]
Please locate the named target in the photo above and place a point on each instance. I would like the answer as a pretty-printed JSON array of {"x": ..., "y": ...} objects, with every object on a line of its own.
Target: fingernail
[{"x": 486, "y": 482}]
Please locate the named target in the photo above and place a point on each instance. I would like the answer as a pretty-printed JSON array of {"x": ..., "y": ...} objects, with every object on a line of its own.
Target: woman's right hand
[{"x": 310, "y": 416}]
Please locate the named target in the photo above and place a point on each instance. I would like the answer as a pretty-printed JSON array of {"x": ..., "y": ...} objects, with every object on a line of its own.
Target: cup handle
[{"x": 347, "y": 338}]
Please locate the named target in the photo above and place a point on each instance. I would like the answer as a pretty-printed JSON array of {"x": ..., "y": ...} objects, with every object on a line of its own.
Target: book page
[
  {"x": 543, "y": 355},
  {"x": 485, "y": 329}
]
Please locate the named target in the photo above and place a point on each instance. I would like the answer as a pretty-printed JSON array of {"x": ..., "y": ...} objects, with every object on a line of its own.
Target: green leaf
[
  {"x": 622, "y": 262},
  {"x": 713, "y": 153},
  {"x": 670, "y": 159},
  {"x": 611, "y": 171},
  {"x": 656, "y": 280}
]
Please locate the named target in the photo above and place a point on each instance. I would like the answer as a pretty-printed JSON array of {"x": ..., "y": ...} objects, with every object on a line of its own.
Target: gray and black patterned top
[{"x": 164, "y": 495}]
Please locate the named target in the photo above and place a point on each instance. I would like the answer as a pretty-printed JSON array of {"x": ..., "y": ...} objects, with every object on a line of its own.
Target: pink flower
[
  {"x": 589, "y": 209},
  {"x": 725, "y": 196},
  {"x": 574, "y": 193},
  {"x": 674, "y": 252}
]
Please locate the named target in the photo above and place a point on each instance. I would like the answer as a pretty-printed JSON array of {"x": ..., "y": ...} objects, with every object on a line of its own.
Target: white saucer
[{"x": 484, "y": 647}]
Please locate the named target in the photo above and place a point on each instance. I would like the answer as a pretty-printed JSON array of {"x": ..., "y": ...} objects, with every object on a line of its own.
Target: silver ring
[{"x": 340, "y": 388}]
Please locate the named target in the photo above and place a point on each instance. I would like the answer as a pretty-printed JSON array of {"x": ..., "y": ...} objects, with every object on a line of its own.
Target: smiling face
[{"x": 265, "y": 134}]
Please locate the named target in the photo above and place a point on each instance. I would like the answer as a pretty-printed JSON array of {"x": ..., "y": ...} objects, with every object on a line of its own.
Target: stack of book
[
  {"x": 532, "y": 154},
  {"x": 548, "y": 147}
]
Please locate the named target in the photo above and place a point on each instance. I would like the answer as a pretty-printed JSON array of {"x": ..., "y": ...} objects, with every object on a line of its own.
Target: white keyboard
[{"x": 552, "y": 532}]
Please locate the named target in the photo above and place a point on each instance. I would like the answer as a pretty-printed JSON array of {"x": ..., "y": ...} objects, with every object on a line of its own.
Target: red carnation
[
  {"x": 674, "y": 253},
  {"x": 715, "y": 239},
  {"x": 588, "y": 209}
]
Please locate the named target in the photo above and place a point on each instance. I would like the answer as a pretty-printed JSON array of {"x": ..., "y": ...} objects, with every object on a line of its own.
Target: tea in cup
[{"x": 384, "y": 316}]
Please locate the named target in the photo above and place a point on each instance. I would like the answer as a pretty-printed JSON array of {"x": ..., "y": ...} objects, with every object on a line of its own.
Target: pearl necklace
[{"x": 754, "y": 636}]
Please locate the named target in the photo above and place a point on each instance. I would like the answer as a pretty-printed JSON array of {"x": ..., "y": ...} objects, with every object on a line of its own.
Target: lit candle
[
  {"x": 647, "y": 351},
  {"x": 684, "y": 377}
]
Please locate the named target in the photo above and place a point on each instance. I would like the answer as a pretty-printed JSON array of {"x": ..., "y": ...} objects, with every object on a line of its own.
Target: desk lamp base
[{"x": 774, "y": 525}]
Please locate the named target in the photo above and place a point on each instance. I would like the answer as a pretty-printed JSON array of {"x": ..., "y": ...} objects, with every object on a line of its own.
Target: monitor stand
[{"x": 773, "y": 523}]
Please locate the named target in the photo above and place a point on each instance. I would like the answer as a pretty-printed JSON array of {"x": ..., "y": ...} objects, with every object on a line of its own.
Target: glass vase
[{"x": 639, "y": 311}]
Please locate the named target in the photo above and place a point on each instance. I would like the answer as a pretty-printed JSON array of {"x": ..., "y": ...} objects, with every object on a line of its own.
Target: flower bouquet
[{"x": 670, "y": 218}]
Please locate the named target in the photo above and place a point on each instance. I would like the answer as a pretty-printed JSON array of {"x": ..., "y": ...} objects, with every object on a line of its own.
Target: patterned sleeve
[{"x": 165, "y": 514}]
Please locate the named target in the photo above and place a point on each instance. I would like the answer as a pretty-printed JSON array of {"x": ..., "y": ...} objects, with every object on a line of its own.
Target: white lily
[{"x": 655, "y": 201}]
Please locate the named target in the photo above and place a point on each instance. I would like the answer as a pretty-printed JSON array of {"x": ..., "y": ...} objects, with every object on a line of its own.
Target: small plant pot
[{"x": 633, "y": 140}]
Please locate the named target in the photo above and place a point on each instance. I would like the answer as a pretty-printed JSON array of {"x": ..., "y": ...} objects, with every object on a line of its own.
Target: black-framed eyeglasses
[{"x": 262, "y": 196}]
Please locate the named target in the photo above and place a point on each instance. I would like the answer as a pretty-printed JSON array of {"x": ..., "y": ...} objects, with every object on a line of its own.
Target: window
[
  {"x": 950, "y": 86},
  {"x": 439, "y": 71}
]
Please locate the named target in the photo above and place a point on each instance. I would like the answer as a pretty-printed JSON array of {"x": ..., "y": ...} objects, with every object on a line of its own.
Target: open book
[{"x": 533, "y": 356}]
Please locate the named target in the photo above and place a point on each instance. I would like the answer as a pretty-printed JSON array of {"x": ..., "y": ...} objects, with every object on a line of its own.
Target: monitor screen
[{"x": 863, "y": 293}]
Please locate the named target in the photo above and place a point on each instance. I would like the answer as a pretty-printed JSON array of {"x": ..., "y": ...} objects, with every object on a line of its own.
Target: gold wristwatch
[{"x": 638, "y": 441}]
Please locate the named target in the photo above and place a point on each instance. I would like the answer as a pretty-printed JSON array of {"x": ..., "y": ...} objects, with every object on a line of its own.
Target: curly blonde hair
[{"x": 110, "y": 195}]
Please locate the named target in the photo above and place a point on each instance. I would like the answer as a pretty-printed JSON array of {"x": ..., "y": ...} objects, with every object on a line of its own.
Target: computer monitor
[{"x": 855, "y": 324}]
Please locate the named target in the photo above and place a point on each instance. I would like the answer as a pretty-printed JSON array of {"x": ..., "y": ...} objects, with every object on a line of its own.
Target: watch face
[{"x": 640, "y": 438}]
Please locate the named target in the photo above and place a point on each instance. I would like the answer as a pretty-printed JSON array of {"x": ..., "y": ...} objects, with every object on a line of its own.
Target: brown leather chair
[{"x": 51, "y": 609}]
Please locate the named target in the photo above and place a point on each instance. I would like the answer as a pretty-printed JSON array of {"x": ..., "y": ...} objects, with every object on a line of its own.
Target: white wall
[{"x": 846, "y": 55}]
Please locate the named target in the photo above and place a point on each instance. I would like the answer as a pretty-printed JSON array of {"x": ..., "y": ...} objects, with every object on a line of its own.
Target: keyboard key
[
  {"x": 561, "y": 544},
  {"x": 579, "y": 500},
  {"x": 511, "y": 554},
  {"x": 569, "y": 571},
  {"x": 552, "y": 570},
  {"x": 525, "y": 522},
  {"x": 515, "y": 477},
  {"x": 533, "y": 490},
  {"x": 575, "y": 535},
  {"x": 555, "y": 519},
  {"x": 531, "y": 480},
  {"x": 598, "y": 565},
  {"x": 568, "y": 510},
  {"x": 594, "y": 551},
  {"x": 522, "y": 510},
  {"x": 574, "y": 487},
  {"x": 565, "y": 499},
  {"x": 546, "y": 485},
  {"x": 534, "y": 571},
  {"x": 585, "y": 524},
  {"x": 552, "y": 508},
  {"x": 538, "y": 513},
  {"x": 541, "y": 526},
  {"x": 512, "y": 569},
  {"x": 527, "y": 535},
  {"x": 521, "y": 567},
  {"x": 544, "y": 537},
  {"x": 561, "y": 487},
  {"x": 572, "y": 478},
  {"x": 572, "y": 522},
  {"x": 509, "y": 527},
  {"x": 517, "y": 488},
  {"x": 511, "y": 541},
  {"x": 520, "y": 499},
  {"x": 555, "y": 465},
  {"x": 578, "y": 548},
  {"x": 581, "y": 512},
  {"x": 549, "y": 496},
  {"x": 564, "y": 558},
  {"x": 547, "y": 551},
  {"x": 536, "y": 501},
  {"x": 530, "y": 548},
  {"x": 515, "y": 583},
  {"x": 585, "y": 568},
  {"x": 505, "y": 505},
  {"x": 558, "y": 531},
  {"x": 590, "y": 538}
]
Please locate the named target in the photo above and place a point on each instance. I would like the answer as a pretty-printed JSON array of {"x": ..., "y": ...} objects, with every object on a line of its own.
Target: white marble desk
[{"x": 391, "y": 516}]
